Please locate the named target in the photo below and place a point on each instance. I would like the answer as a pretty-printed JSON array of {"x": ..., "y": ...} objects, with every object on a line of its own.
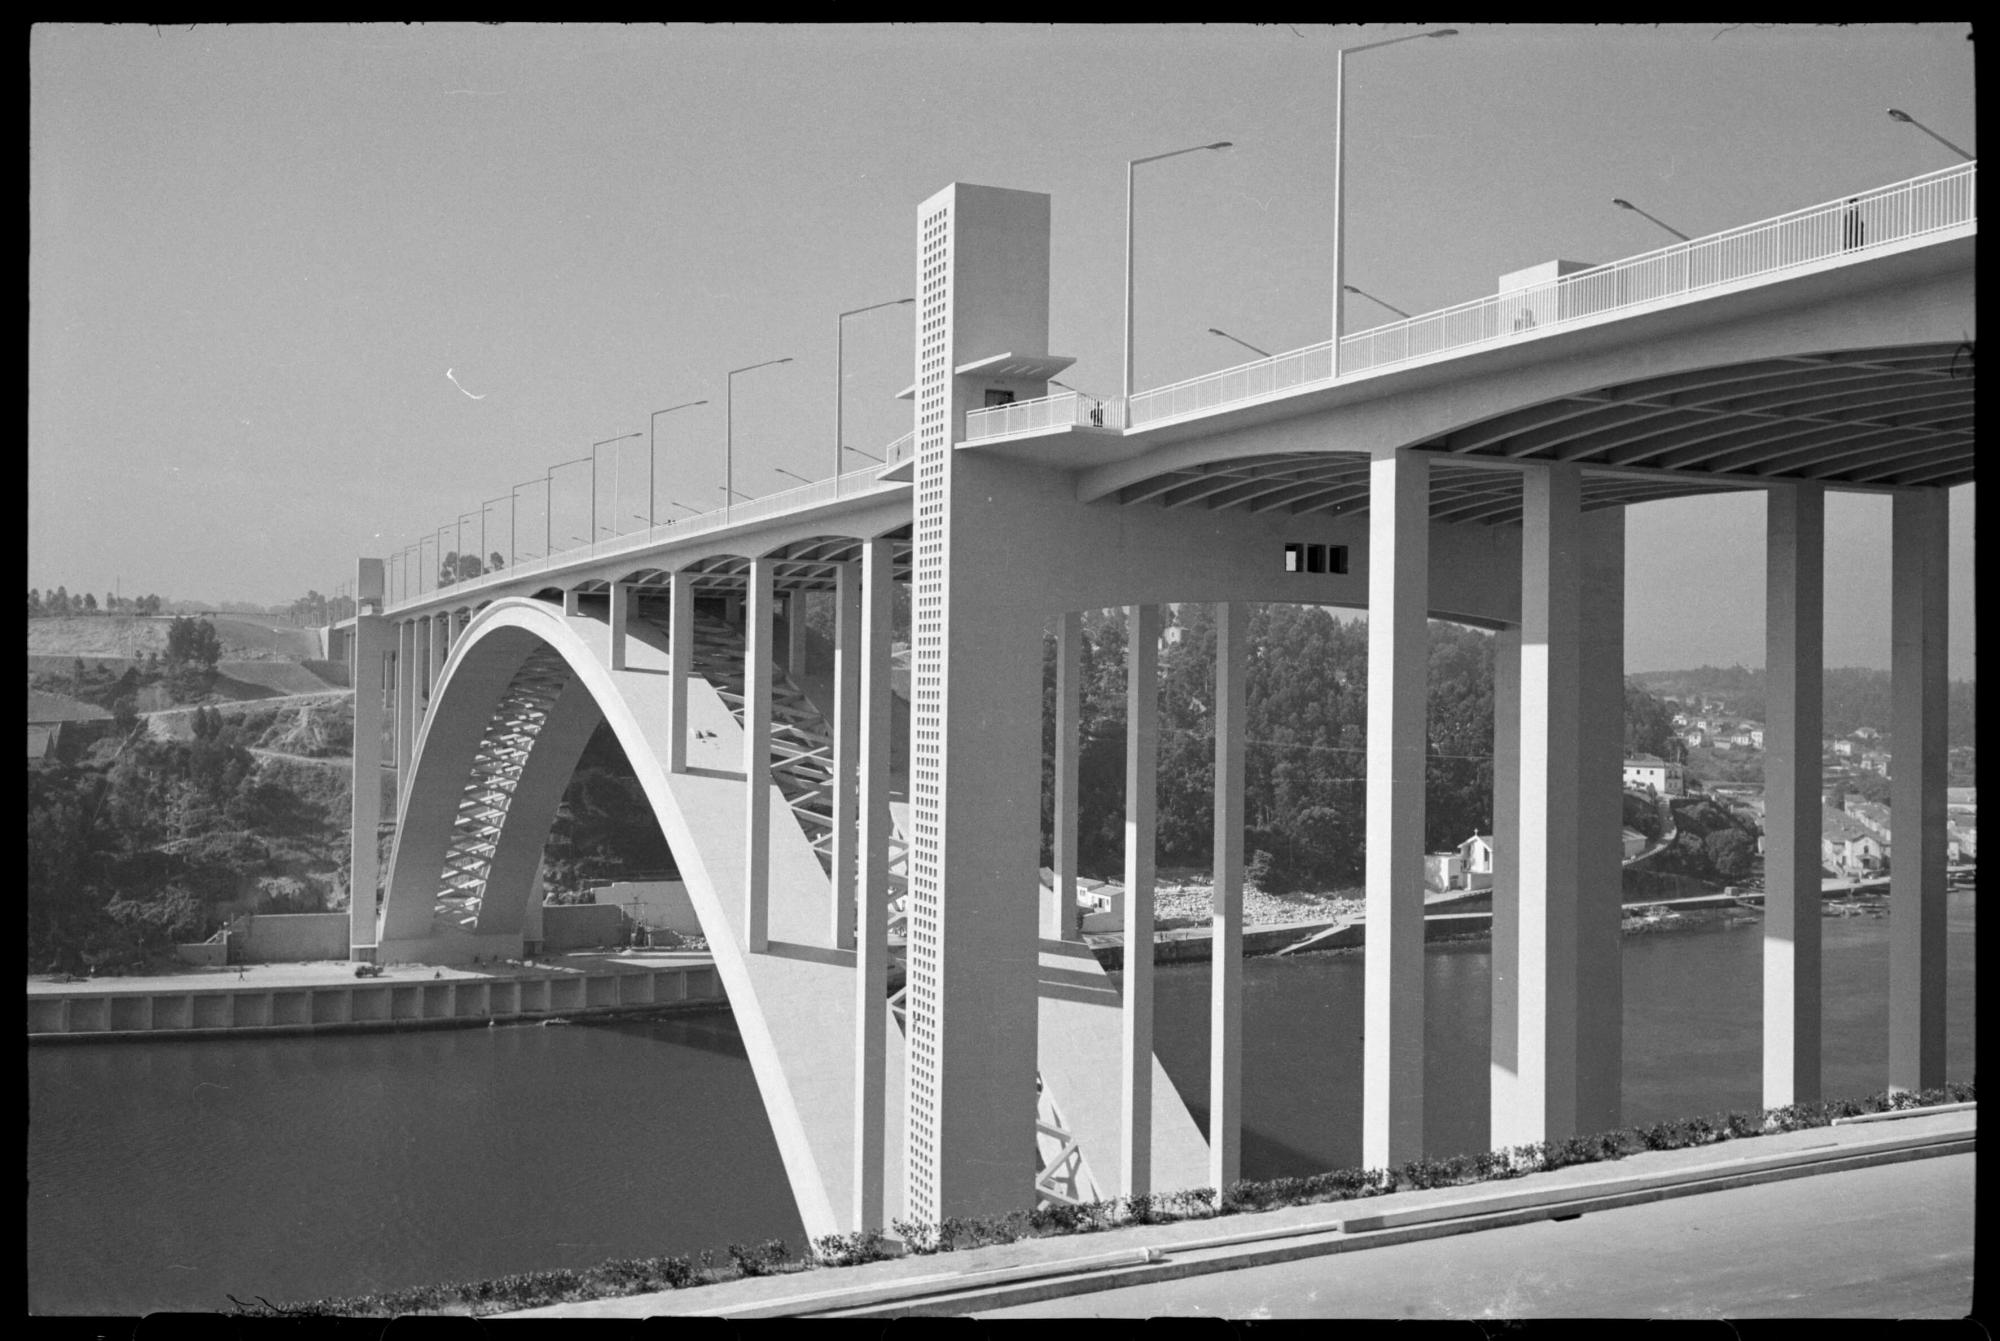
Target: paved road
[{"x": 1892, "y": 1241}]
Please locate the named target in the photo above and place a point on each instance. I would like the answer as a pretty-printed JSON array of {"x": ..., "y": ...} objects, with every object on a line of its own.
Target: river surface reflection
[{"x": 171, "y": 1174}]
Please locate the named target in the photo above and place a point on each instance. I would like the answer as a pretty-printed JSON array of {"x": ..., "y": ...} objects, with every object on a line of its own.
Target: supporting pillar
[
  {"x": 1059, "y": 921},
  {"x": 1142, "y": 752},
  {"x": 1392, "y": 1078},
  {"x": 795, "y": 637},
  {"x": 1600, "y": 980},
  {"x": 1504, "y": 1066},
  {"x": 572, "y": 601},
  {"x": 846, "y": 745},
  {"x": 680, "y": 661},
  {"x": 757, "y": 757},
  {"x": 871, "y": 948},
  {"x": 1794, "y": 625},
  {"x": 621, "y": 615},
  {"x": 370, "y": 644},
  {"x": 1225, "y": 1008},
  {"x": 406, "y": 703},
  {"x": 440, "y": 640},
  {"x": 423, "y": 668},
  {"x": 1919, "y": 527},
  {"x": 1551, "y": 802}
]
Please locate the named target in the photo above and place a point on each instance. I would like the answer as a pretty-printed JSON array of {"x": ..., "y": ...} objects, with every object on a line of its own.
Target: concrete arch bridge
[{"x": 1472, "y": 464}]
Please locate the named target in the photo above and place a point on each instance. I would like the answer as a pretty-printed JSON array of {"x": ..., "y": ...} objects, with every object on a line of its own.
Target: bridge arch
[{"x": 523, "y": 690}]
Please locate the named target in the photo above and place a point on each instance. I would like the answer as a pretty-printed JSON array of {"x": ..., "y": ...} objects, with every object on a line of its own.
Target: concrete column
[
  {"x": 1142, "y": 752},
  {"x": 621, "y": 615},
  {"x": 572, "y": 601},
  {"x": 1919, "y": 527},
  {"x": 1225, "y": 1004},
  {"x": 757, "y": 757},
  {"x": 422, "y": 669},
  {"x": 871, "y": 948},
  {"x": 732, "y": 609},
  {"x": 795, "y": 637},
  {"x": 1504, "y": 1066},
  {"x": 440, "y": 648},
  {"x": 370, "y": 642},
  {"x": 1551, "y": 800},
  {"x": 1794, "y": 624},
  {"x": 680, "y": 659},
  {"x": 1600, "y": 980},
  {"x": 531, "y": 921},
  {"x": 406, "y": 703},
  {"x": 1392, "y": 1060},
  {"x": 1059, "y": 921},
  {"x": 846, "y": 745}
]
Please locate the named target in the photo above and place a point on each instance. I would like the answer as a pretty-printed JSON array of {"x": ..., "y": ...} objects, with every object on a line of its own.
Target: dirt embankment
[{"x": 133, "y": 636}]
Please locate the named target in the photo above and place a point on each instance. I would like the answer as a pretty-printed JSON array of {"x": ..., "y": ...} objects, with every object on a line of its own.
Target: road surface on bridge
[{"x": 1890, "y": 1241}]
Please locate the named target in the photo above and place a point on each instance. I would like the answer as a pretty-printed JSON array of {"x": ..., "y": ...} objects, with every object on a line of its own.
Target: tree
[
  {"x": 34, "y": 602},
  {"x": 495, "y": 562},
  {"x": 59, "y": 603},
  {"x": 89, "y": 603},
  {"x": 1730, "y": 851},
  {"x": 193, "y": 642}
]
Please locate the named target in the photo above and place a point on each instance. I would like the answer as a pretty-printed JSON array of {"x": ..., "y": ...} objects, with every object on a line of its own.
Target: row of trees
[
  {"x": 456, "y": 567},
  {"x": 60, "y": 602},
  {"x": 1306, "y": 750}
]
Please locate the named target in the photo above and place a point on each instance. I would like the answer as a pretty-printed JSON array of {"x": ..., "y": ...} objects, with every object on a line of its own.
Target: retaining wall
[{"x": 369, "y": 1003}]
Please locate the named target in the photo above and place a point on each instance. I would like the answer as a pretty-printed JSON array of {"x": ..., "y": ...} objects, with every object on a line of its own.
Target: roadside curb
[{"x": 959, "y": 1292}]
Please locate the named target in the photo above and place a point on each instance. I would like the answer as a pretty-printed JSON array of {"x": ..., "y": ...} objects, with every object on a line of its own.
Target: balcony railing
[
  {"x": 1067, "y": 409},
  {"x": 1933, "y": 203},
  {"x": 901, "y": 449}
]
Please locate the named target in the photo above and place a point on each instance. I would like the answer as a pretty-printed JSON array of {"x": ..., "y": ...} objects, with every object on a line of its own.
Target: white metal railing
[
  {"x": 1933, "y": 203},
  {"x": 1065, "y": 409},
  {"x": 901, "y": 449},
  {"x": 855, "y": 483}
]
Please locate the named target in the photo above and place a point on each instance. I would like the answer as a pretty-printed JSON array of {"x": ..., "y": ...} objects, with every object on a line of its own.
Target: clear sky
[{"x": 257, "y": 251}]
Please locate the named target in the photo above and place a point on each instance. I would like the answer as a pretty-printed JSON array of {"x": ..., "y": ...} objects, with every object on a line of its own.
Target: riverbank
[{"x": 276, "y": 999}]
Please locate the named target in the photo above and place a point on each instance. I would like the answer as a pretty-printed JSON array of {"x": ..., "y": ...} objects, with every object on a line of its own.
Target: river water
[{"x": 171, "y": 1174}]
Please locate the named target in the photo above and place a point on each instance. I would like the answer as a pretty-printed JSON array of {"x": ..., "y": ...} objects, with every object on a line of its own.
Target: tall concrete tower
[{"x": 982, "y": 337}]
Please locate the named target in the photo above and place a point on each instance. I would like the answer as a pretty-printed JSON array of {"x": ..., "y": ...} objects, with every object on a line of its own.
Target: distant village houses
[{"x": 1649, "y": 770}]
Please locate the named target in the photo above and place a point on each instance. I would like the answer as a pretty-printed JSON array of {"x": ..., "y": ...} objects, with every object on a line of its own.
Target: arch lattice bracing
[{"x": 524, "y": 689}]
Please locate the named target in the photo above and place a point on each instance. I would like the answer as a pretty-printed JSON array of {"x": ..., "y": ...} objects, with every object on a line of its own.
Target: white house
[
  {"x": 1648, "y": 770},
  {"x": 1845, "y": 847},
  {"x": 1476, "y": 853},
  {"x": 1444, "y": 870}
]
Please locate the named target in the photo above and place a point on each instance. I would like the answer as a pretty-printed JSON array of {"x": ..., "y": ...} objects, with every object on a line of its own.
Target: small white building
[
  {"x": 1845, "y": 848},
  {"x": 1646, "y": 770},
  {"x": 1476, "y": 854},
  {"x": 1444, "y": 870},
  {"x": 1634, "y": 842}
]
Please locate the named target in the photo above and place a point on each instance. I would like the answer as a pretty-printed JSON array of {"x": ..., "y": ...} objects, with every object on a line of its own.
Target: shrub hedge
[{"x": 649, "y": 1275}]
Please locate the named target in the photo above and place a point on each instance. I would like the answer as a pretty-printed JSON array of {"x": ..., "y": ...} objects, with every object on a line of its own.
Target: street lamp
[
  {"x": 549, "y": 497},
  {"x": 1340, "y": 174},
  {"x": 650, "y": 446},
  {"x": 870, "y": 455},
  {"x": 483, "y": 551},
  {"x": 729, "y": 430},
  {"x": 1909, "y": 120},
  {"x": 514, "y": 512},
  {"x": 461, "y": 542},
  {"x": 840, "y": 371},
  {"x": 1129, "y": 165},
  {"x": 1377, "y": 301},
  {"x": 593, "y": 482},
  {"x": 683, "y": 507},
  {"x": 793, "y": 473},
  {"x": 748, "y": 498},
  {"x": 1628, "y": 205},
  {"x": 1217, "y": 330}
]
